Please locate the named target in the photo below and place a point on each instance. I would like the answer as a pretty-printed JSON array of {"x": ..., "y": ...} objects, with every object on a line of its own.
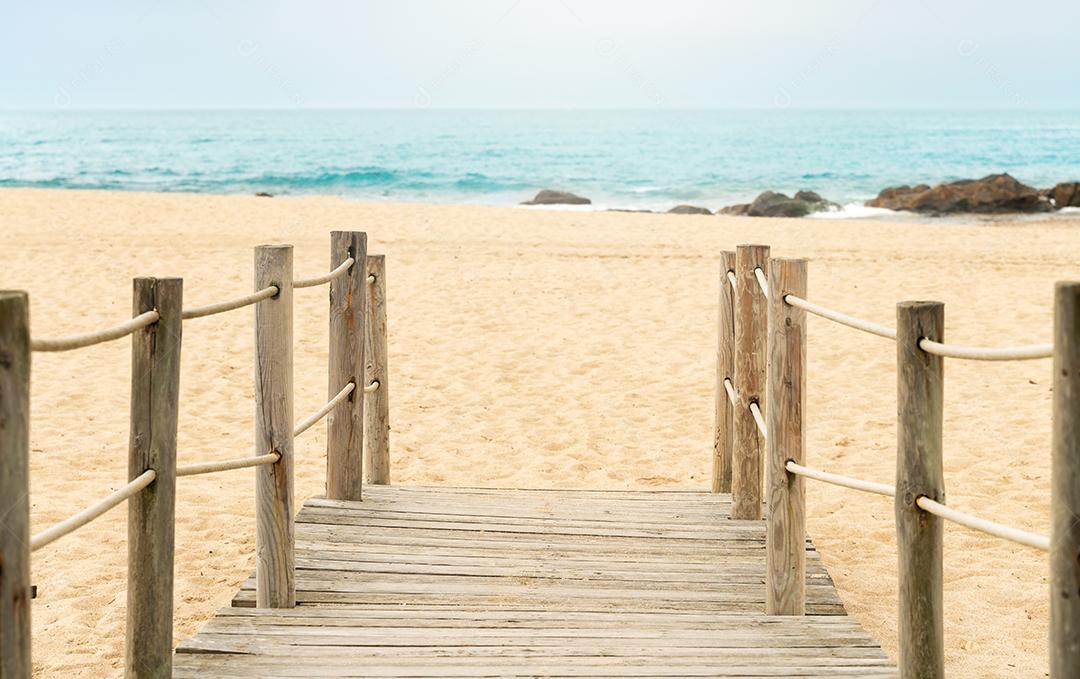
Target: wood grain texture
[
  {"x": 920, "y": 393},
  {"x": 1065, "y": 487},
  {"x": 15, "y": 594},
  {"x": 725, "y": 370},
  {"x": 155, "y": 389},
  {"x": 438, "y": 582},
  {"x": 275, "y": 572},
  {"x": 377, "y": 408},
  {"x": 751, "y": 319},
  {"x": 785, "y": 534},
  {"x": 345, "y": 425}
]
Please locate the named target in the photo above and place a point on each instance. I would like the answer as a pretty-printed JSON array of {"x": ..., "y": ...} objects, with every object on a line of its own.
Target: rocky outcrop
[
  {"x": 994, "y": 193},
  {"x": 549, "y": 197},
  {"x": 1066, "y": 194},
  {"x": 689, "y": 210},
  {"x": 263, "y": 194},
  {"x": 739, "y": 210},
  {"x": 772, "y": 204}
]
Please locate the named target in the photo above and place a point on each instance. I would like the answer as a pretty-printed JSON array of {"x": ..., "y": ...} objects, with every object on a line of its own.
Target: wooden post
[
  {"x": 785, "y": 543},
  {"x": 725, "y": 370},
  {"x": 15, "y": 592},
  {"x": 377, "y": 410},
  {"x": 155, "y": 388},
  {"x": 1065, "y": 487},
  {"x": 750, "y": 328},
  {"x": 275, "y": 585},
  {"x": 919, "y": 473},
  {"x": 345, "y": 426}
]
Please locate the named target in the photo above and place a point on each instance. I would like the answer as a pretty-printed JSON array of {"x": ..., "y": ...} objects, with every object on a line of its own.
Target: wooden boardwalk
[{"x": 445, "y": 582}]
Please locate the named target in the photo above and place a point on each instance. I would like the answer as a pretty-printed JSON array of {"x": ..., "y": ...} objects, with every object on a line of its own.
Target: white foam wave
[{"x": 853, "y": 211}]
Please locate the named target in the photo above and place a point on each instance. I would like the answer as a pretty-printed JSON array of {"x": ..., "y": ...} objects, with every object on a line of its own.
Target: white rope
[
  {"x": 229, "y": 305},
  {"x": 841, "y": 318},
  {"x": 226, "y": 465},
  {"x": 1002, "y": 531},
  {"x": 306, "y": 424},
  {"x": 730, "y": 391},
  {"x": 756, "y": 412},
  {"x": 327, "y": 277},
  {"x": 762, "y": 282},
  {"x": 731, "y": 279},
  {"x": 987, "y": 353},
  {"x": 838, "y": 480},
  {"x": 92, "y": 512},
  {"x": 373, "y": 387},
  {"x": 96, "y": 337},
  {"x": 371, "y": 278}
]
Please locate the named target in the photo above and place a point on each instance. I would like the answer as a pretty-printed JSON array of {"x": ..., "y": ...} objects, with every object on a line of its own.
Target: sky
[{"x": 539, "y": 54}]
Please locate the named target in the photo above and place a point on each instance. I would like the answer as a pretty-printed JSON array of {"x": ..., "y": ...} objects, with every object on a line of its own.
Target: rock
[
  {"x": 772, "y": 204},
  {"x": 739, "y": 210},
  {"x": 1066, "y": 194},
  {"x": 994, "y": 193},
  {"x": 263, "y": 194},
  {"x": 549, "y": 197},
  {"x": 809, "y": 197},
  {"x": 626, "y": 209},
  {"x": 689, "y": 210}
]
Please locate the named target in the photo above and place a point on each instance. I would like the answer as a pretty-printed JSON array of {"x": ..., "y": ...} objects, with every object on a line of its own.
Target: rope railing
[
  {"x": 842, "y": 318},
  {"x": 87, "y": 339},
  {"x": 372, "y": 388},
  {"x": 339, "y": 270},
  {"x": 228, "y": 305},
  {"x": 226, "y": 465},
  {"x": 310, "y": 421},
  {"x": 731, "y": 279},
  {"x": 999, "y": 530},
  {"x": 755, "y": 410},
  {"x": 732, "y": 396},
  {"x": 840, "y": 480},
  {"x": 762, "y": 281},
  {"x": 76, "y": 521}
]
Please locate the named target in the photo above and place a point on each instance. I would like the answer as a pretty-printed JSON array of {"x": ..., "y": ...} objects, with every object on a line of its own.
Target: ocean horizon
[{"x": 619, "y": 158}]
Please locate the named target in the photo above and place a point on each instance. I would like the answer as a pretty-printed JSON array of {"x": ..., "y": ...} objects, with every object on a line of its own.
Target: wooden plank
[
  {"x": 15, "y": 594},
  {"x": 785, "y": 535},
  {"x": 155, "y": 394},
  {"x": 1065, "y": 487},
  {"x": 274, "y": 427},
  {"x": 725, "y": 370},
  {"x": 920, "y": 393},
  {"x": 345, "y": 424},
  {"x": 415, "y": 583},
  {"x": 750, "y": 357},
  {"x": 377, "y": 408}
]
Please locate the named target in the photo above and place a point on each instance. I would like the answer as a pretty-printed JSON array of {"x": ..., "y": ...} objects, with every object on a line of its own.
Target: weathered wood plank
[
  {"x": 377, "y": 408},
  {"x": 416, "y": 583},
  {"x": 750, "y": 359},
  {"x": 725, "y": 370},
  {"x": 1065, "y": 497}
]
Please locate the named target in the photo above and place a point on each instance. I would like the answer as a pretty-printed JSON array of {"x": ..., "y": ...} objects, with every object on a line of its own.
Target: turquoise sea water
[{"x": 634, "y": 159}]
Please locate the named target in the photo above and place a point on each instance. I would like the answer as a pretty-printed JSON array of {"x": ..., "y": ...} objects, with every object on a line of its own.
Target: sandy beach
[{"x": 535, "y": 348}]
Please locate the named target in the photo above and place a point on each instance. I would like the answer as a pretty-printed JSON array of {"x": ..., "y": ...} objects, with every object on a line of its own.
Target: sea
[{"x": 632, "y": 159}]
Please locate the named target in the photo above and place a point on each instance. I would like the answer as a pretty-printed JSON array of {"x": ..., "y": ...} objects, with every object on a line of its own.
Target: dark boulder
[
  {"x": 739, "y": 210},
  {"x": 263, "y": 194},
  {"x": 1066, "y": 194},
  {"x": 996, "y": 193},
  {"x": 689, "y": 210},
  {"x": 772, "y": 204},
  {"x": 549, "y": 197}
]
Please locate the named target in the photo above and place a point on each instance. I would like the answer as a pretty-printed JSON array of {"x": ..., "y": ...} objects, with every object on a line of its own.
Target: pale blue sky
[{"x": 540, "y": 53}]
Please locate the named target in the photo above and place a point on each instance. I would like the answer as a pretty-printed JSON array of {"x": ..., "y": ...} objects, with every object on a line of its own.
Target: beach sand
[{"x": 535, "y": 348}]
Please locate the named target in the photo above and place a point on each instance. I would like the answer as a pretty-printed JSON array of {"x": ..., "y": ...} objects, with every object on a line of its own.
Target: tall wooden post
[
  {"x": 919, "y": 396},
  {"x": 275, "y": 585},
  {"x": 155, "y": 388},
  {"x": 377, "y": 409},
  {"x": 14, "y": 485},
  {"x": 725, "y": 370},
  {"x": 785, "y": 544},
  {"x": 1065, "y": 487},
  {"x": 345, "y": 425},
  {"x": 750, "y": 326}
]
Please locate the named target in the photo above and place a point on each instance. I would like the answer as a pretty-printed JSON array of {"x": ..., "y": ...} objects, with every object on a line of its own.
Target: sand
[{"x": 535, "y": 348}]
